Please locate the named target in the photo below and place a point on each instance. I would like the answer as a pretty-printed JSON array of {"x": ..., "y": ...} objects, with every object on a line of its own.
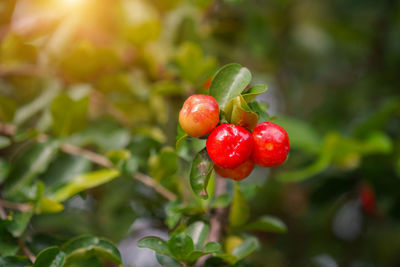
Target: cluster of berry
[{"x": 232, "y": 148}]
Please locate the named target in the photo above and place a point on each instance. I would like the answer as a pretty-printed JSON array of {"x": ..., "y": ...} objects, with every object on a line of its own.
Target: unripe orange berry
[{"x": 199, "y": 115}]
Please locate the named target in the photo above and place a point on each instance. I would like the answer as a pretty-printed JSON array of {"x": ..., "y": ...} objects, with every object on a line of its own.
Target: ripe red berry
[
  {"x": 199, "y": 115},
  {"x": 368, "y": 199},
  {"x": 271, "y": 144},
  {"x": 229, "y": 145},
  {"x": 238, "y": 173}
]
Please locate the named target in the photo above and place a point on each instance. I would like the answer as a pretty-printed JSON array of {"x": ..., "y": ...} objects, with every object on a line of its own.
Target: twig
[
  {"x": 218, "y": 218},
  {"x": 90, "y": 155},
  {"x": 26, "y": 250},
  {"x": 155, "y": 185},
  {"x": 7, "y": 129},
  {"x": 3, "y": 214},
  {"x": 23, "y": 207}
]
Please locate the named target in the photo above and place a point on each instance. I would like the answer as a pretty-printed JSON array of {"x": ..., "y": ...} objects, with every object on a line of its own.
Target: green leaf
[
  {"x": 167, "y": 261},
  {"x": 47, "y": 205},
  {"x": 14, "y": 261},
  {"x": 4, "y": 142},
  {"x": 261, "y": 110},
  {"x": 200, "y": 173},
  {"x": 221, "y": 201},
  {"x": 180, "y": 137},
  {"x": 83, "y": 182},
  {"x": 180, "y": 245},
  {"x": 33, "y": 162},
  {"x": 253, "y": 92},
  {"x": 238, "y": 112},
  {"x": 268, "y": 224},
  {"x": 7, "y": 109},
  {"x": 239, "y": 211},
  {"x": 211, "y": 247},
  {"x": 198, "y": 231},
  {"x": 164, "y": 164},
  {"x": 84, "y": 247},
  {"x": 248, "y": 246},
  {"x": 4, "y": 170},
  {"x": 155, "y": 243},
  {"x": 228, "y": 83},
  {"x": 69, "y": 115},
  {"x": 19, "y": 223},
  {"x": 50, "y": 257}
]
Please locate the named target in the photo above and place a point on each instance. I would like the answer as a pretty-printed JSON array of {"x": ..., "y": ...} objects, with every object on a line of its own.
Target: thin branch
[
  {"x": 90, "y": 155},
  {"x": 218, "y": 218},
  {"x": 155, "y": 185},
  {"x": 26, "y": 250},
  {"x": 3, "y": 214},
  {"x": 7, "y": 129},
  {"x": 23, "y": 207}
]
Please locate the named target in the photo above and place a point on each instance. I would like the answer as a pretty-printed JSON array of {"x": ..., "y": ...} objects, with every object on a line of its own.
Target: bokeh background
[{"x": 113, "y": 74}]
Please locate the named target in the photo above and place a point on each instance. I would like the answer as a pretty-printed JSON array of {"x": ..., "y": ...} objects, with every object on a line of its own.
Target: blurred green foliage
[{"x": 109, "y": 77}]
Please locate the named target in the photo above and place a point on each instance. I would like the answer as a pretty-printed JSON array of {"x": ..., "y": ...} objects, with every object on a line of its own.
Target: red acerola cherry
[
  {"x": 271, "y": 144},
  {"x": 238, "y": 173},
  {"x": 368, "y": 199},
  {"x": 229, "y": 145},
  {"x": 199, "y": 115}
]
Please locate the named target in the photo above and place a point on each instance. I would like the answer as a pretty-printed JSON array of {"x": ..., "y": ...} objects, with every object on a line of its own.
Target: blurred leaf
[
  {"x": 211, "y": 247},
  {"x": 83, "y": 182},
  {"x": 301, "y": 134},
  {"x": 25, "y": 112},
  {"x": 155, "y": 243},
  {"x": 118, "y": 157},
  {"x": 238, "y": 112},
  {"x": 4, "y": 170},
  {"x": 7, "y": 109},
  {"x": 261, "y": 110},
  {"x": 4, "y": 142},
  {"x": 19, "y": 223},
  {"x": 200, "y": 173},
  {"x": 228, "y": 83},
  {"x": 47, "y": 205},
  {"x": 193, "y": 65},
  {"x": 198, "y": 231},
  {"x": 253, "y": 92},
  {"x": 86, "y": 246},
  {"x": 168, "y": 88},
  {"x": 167, "y": 261},
  {"x": 248, "y": 246},
  {"x": 15, "y": 261},
  {"x": 173, "y": 213},
  {"x": 180, "y": 137},
  {"x": 180, "y": 245},
  {"x": 50, "y": 257},
  {"x": 268, "y": 224},
  {"x": 221, "y": 201},
  {"x": 104, "y": 135},
  {"x": 63, "y": 169},
  {"x": 65, "y": 123},
  {"x": 164, "y": 164},
  {"x": 239, "y": 211},
  {"x": 33, "y": 162}
]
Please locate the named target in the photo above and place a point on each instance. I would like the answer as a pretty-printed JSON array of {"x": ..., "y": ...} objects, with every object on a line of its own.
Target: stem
[
  {"x": 26, "y": 250},
  {"x": 23, "y": 207},
  {"x": 218, "y": 218},
  {"x": 155, "y": 185}
]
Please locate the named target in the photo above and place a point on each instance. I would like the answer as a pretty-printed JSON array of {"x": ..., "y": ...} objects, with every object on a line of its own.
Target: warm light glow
[{"x": 71, "y": 3}]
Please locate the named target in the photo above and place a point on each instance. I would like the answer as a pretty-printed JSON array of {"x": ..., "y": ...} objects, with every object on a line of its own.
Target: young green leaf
[
  {"x": 155, "y": 243},
  {"x": 84, "y": 246},
  {"x": 268, "y": 224},
  {"x": 238, "y": 112},
  {"x": 253, "y": 92},
  {"x": 261, "y": 110},
  {"x": 83, "y": 182},
  {"x": 50, "y": 257},
  {"x": 33, "y": 162},
  {"x": 248, "y": 246},
  {"x": 198, "y": 231},
  {"x": 200, "y": 173},
  {"x": 239, "y": 211},
  {"x": 211, "y": 247},
  {"x": 229, "y": 82},
  {"x": 180, "y": 245}
]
